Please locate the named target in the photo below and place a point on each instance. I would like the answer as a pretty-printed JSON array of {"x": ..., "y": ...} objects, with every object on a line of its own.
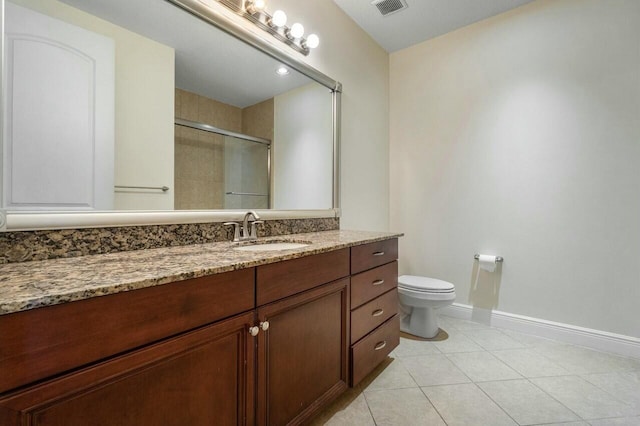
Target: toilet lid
[{"x": 425, "y": 284}]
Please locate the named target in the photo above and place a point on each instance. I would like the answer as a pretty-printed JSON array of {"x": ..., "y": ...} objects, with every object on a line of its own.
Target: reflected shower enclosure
[{"x": 218, "y": 169}]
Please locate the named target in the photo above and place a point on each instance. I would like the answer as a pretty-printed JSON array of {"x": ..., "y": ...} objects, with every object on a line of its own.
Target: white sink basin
[{"x": 271, "y": 246}]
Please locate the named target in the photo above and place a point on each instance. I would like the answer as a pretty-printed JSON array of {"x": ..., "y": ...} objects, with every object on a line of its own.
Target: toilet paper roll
[{"x": 488, "y": 263}]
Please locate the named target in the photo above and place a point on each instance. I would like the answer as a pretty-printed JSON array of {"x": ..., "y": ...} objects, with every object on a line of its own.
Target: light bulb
[
  {"x": 297, "y": 30},
  {"x": 313, "y": 41},
  {"x": 279, "y": 18},
  {"x": 259, "y": 4},
  {"x": 255, "y": 6}
]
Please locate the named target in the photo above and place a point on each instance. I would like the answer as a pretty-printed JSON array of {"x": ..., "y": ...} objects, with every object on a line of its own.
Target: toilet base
[{"x": 421, "y": 322}]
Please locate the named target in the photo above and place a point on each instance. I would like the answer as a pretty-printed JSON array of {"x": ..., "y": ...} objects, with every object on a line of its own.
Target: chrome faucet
[{"x": 248, "y": 232}]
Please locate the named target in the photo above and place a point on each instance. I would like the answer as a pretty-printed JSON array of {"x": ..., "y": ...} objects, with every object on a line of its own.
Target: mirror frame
[{"x": 222, "y": 19}]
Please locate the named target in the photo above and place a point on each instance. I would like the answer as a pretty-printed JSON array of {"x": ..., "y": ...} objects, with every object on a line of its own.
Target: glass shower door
[{"x": 246, "y": 174}]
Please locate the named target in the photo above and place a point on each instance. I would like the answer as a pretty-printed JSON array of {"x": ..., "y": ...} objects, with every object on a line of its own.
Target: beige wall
[
  {"x": 349, "y": 55},
  {"x": 518, "y": 136},
  {"x": 143, "y": 107}
]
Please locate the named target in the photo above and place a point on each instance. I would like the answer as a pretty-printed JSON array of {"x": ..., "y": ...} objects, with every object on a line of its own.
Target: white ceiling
[
  {"x": 214, "y": 64},
  {"x": 208, "y": 61},
  {"x": 422, "y": 20}
]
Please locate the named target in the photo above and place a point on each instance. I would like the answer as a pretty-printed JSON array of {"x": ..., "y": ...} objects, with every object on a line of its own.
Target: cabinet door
[
  {"x": 303, "y": 356},
  {"x": 204, "y": 377}
]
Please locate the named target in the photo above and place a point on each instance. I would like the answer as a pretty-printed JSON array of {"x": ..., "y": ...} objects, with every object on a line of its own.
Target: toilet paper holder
[{"x": 498, "y": 258}]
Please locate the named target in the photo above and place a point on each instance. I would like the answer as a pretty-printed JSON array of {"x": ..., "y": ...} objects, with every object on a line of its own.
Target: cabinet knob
[
  {"x": 380, "y": 345},
  {"x": 377, "y": 312},
  {"x": 378, "y": 282},
  {"x": 254, "y": 330},
  {"x": 378, "y": 253},
  {"x": 264, "y": 325}
]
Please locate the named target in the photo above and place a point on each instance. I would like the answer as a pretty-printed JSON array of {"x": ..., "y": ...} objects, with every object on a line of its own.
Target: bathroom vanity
[{"x": 197, "y": 335}]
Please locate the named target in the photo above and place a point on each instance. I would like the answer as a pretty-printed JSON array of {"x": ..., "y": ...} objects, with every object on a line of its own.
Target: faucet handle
[
  {"x": 236, "y": 230},
  {"x": 254, "y": 231}
]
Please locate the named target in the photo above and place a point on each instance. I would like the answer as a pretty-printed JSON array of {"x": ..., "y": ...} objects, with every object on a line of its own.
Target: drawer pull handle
[
  {"x": 378, "y": 282},
  {"x": 377, "y": 312},
  {"x": 254, "y": 331},
  {"x": 264, "y": 325},
  {"x": 380, "y": 345},
  {"x": 378, "y": 253}
]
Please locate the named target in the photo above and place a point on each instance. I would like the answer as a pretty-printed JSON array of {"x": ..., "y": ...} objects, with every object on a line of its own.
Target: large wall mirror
[{"x": 127, "y": 106}]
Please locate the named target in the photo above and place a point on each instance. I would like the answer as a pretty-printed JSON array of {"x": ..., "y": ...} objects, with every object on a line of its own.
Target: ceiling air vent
[{"x": 387, "y": 7}]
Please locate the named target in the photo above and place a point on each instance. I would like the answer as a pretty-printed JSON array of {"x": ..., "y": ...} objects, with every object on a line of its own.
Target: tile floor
[{"x": 490, "y": 377}]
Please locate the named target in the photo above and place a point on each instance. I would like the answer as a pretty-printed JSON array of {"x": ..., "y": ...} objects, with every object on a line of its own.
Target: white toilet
[{"x": 419, "y": 299}]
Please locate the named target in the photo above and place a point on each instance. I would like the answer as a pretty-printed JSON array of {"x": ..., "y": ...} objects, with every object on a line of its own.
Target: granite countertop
[{"x": 30, "y": 285}]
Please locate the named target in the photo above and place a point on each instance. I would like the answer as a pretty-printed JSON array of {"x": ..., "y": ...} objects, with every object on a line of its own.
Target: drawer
[
  {"x": 66, "y": 336},
  {"x": 373, "y": 349},
  {"x": 372, "y": 314},
  {"x": 370, "y": 255},
  {"x": 279, "y": 280},
  {"x": 371, "y": 284}
]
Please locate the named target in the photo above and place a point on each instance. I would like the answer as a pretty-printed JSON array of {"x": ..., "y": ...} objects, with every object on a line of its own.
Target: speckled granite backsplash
[{"x": 40, "y": 245}]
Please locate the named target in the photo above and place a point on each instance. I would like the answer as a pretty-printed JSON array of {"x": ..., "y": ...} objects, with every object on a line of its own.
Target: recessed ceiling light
[{"x": 282, "y": 71}]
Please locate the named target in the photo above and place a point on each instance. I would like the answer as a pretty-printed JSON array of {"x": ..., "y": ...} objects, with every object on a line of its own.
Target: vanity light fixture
[{"x": 276, "y": 25}]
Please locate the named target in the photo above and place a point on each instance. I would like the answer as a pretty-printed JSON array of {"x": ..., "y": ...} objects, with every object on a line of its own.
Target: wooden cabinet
[
  {"x": 372, "y": 314},
  {"x": 303, "y": 354},
  {"x": 39, "y": 343},
  {"x": 374, "y": 348},
  {"x": 370, "y": 255},
  {"x": 368, "y": 285},
  {"x": 279, "y": 280},
  {"x": 271, "y": 345},
  {"x": 203, "y": 377},
  {"x": 375, "y": 326}
]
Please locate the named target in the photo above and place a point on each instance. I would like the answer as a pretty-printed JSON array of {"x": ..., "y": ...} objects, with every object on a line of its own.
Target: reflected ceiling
[{"x": 208, "y": 61}]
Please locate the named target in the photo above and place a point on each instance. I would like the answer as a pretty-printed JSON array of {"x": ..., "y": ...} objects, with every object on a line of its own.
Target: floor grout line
[
  {"x": 496, "y": 403},
  {"x": 632, "y": 406},
  {"x": 554, "y": 398},
  {"x": 433, "y": 405},
  {"x": 369, "y": 408}
]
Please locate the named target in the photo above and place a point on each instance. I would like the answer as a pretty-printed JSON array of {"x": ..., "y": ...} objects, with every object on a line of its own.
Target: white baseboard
[{"x": 596, "y": 339}]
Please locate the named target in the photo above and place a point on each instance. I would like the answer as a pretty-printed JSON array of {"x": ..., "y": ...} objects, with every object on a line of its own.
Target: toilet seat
[{"x": 425, "y": 284}]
